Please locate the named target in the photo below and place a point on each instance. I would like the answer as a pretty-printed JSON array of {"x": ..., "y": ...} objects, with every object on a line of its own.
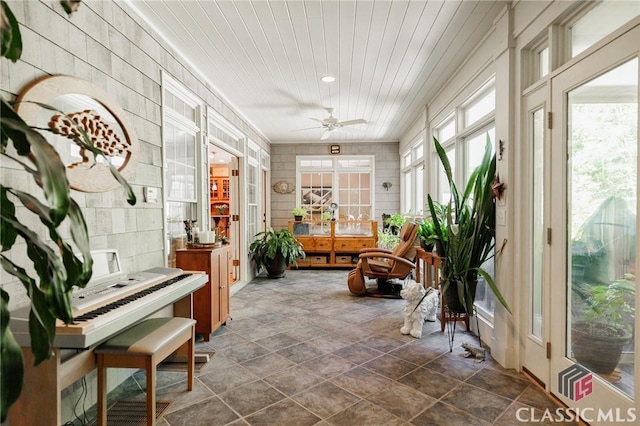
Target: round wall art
[
  {"x": 283, "y": 187},
  {"x": 82, "y": 110}
]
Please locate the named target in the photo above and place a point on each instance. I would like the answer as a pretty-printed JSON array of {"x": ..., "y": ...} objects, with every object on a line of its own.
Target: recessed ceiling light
[{"x": 328, "y": 79}]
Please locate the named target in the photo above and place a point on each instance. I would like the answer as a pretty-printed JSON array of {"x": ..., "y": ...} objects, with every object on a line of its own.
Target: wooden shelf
[{"x": 334, "y": 244}]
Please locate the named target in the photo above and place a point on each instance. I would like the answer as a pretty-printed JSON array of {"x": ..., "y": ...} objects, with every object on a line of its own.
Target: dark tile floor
[{"x": 303, "y": 351}]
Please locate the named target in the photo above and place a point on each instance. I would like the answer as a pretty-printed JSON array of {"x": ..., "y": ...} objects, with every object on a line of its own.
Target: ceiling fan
[{"x": 331, "y": 124}]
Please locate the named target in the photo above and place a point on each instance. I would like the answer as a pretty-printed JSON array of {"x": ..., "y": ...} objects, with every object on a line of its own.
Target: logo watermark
[
  {"x": 589, "y": 415},
  {"x": 575, "y": 382}
]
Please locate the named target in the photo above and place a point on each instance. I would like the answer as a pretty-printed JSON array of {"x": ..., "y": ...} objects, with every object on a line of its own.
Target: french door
[{"x": 593, "y": 220}]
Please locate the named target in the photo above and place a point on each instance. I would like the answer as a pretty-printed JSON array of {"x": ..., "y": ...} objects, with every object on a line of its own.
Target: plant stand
[{"x": 453, "y": 318}]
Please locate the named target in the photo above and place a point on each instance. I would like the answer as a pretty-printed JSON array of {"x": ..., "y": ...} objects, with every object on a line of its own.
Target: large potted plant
[
  {"x": 467, "y": 234},
  {"x": 56, "y": 269},
  {"x": 274, "y": 250},
  {"x": 604, "y": 325}
]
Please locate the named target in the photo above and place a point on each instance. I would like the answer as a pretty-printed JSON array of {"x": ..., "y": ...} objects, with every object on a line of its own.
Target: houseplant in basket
[
  {"x": 605, "y": 323},
  {"x": 466, "y": 232},
  {"x": 274, "y": 250}
]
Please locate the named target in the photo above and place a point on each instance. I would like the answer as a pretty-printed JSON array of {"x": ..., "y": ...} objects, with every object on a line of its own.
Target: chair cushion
[
  {"x": 146, "y": 337},
  {"x": 379, "y": 265}
]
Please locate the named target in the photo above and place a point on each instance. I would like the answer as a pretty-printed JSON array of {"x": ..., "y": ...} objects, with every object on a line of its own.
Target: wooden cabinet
[
  {"x": 219, "y": 187},
  {"x": 219, "y": 203},
  {"x": 334, "y": 243},
  {"x": 211, "y": 302}
]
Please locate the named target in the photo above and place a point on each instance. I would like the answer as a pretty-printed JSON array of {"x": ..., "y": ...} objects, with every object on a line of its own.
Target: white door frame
[{"x": 602, "y": 397}]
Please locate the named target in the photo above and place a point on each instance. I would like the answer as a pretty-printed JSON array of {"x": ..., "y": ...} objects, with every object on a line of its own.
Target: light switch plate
[
  {"x": 501, "y": 217},
  {"x": 150, "y": 194}
]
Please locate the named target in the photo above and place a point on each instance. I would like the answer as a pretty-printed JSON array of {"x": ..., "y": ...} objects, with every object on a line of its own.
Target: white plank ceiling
[{"x": 267, "y": 57}]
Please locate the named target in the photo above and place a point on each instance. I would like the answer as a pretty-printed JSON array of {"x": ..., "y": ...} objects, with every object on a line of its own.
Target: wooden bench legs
[{"x": 145, "y": 346}]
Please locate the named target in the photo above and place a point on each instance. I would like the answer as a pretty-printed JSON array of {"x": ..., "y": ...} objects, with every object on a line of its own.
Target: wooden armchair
[{"x": 387, "y": 264}]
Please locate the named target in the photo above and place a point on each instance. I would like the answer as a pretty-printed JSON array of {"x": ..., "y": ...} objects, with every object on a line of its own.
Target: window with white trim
[
  {"x": 412, "y": 179},
  {"x": 252, "y": 194},
  {"x": 181, "y": 144},
  {"x": 346, "y": 181}
]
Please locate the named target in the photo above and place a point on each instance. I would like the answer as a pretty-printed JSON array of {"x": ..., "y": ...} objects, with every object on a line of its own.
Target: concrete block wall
[
  {"x": 283, "y": 167},
  {"x": 105, "y": 43}
]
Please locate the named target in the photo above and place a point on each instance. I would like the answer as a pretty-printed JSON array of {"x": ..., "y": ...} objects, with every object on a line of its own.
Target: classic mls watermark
[
  {"x": 589, "y": 415},
  {"x": 575, "y": 382}
]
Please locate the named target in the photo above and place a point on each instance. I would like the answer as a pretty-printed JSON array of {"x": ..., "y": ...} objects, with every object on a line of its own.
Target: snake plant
[{"x": 468, "y": 234}]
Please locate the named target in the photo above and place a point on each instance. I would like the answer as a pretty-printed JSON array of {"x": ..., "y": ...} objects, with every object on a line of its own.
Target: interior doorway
[{"x": 224, "y": 204}]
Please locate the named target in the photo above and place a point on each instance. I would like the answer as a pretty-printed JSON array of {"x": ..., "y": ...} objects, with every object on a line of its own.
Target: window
[
  {"x": 253, "y": 175},
  {"x": 543, "y": 62},
  {"x": 346, "y": 181},
  {"x": 599, "y": 22},
  {"x": 181, "y": 136},
  {"x": 413, "y": 175},
  {"x": 463, "y": 136}
]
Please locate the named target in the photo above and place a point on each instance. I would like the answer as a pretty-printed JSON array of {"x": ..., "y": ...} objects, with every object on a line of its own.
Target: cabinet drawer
[
  {"x": 313, "y": 244},
  {"x": 345, "y": 245}
]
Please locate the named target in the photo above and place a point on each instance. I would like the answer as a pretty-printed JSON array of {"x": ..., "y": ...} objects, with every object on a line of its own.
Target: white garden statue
[{"x": 414, "y": 315}]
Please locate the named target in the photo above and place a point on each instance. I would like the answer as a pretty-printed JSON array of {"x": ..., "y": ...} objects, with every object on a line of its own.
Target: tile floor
[{"x": 303, "y": 351}]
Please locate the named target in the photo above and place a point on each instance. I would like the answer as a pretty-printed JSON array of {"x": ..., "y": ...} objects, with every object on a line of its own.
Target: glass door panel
[
  {"x": 601, "y": 223},
  {"x": 536, "y": 298},
  {"x": 593, "y": 215}
]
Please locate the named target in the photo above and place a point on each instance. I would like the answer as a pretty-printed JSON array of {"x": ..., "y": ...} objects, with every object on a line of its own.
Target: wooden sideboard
[
  {"x": 336, "y": 243},
  {"x": 211, "y": 302}
]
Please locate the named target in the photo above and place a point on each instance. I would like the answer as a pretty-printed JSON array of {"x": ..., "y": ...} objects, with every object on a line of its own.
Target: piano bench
[{"x": 145, "y": 345}]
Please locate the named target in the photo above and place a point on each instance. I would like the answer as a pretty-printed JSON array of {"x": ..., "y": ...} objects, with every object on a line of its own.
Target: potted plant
[
  {"x": 427, "y": 234},
  {"x": 466, "y": 230},
  {"x": 427, "y": 231},
  {"x": 299, "y": 213},
  {"x": 605, "y": 323},
  {"x": 274, "y": 250},
  {"x": 395, "y": 222}
]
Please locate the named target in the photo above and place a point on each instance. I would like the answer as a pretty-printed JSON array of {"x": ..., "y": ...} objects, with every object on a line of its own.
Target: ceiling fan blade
[
  {"x": 308, "y": 128},
  {"x": 352, "y": 122},
  {"x": 325, "y": 135}
]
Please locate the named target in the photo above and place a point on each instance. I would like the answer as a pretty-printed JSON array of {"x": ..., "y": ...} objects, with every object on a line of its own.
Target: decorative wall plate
[
  {"x": 89, "y": 109},
  {"x": 283, "y": 187}
]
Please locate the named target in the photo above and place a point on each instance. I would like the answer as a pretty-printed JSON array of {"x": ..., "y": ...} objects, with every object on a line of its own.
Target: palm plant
[{"x": 468, "y": 234}]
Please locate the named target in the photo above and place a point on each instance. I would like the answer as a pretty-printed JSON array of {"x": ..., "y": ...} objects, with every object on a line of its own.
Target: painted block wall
[
  {"x": 105, "y": 43},
  {"x": 283, "y": 167}
]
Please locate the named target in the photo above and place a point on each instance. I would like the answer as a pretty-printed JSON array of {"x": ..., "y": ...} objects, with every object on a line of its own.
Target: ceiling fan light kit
[{"x": 331, "y": 124}]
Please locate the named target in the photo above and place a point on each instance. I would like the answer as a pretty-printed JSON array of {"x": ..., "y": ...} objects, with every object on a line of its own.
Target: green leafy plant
[
  {"x": 387, "y": 239},
  {"x": 270, "y": 243},
  {"x": 610, "y": 309},
  {"x": 58, "y": 270},
  {"x": 326, "y": 216},
  {"x": 396, "y": 220},
  {"x": 299, "y": 211},
  {"x": 467, "y": 229}
]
